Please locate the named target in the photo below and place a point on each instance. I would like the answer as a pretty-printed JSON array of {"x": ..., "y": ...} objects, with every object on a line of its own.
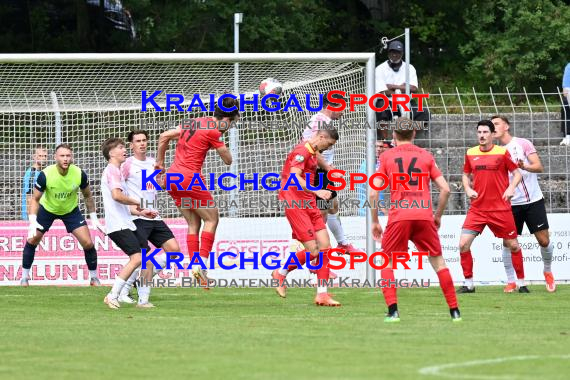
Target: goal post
[{"x": 82, "y": 99}]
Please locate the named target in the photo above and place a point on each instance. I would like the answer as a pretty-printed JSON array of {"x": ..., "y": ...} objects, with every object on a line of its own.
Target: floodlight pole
[{"x": 234, "y": 132}]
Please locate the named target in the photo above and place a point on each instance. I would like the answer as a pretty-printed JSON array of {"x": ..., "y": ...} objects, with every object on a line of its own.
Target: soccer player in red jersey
[
  {"x": 489, "y": 166},
  {"x": 194, "y": 142},
  {"x": 416, "y": 223},
  {"x": 307, "y": 223}
]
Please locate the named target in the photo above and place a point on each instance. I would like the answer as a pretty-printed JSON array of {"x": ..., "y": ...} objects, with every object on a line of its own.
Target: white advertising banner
[{"x": 59, "y": 259}]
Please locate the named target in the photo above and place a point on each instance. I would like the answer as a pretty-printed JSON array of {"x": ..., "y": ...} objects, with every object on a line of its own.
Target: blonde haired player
[{"x": 120, "y": 227}]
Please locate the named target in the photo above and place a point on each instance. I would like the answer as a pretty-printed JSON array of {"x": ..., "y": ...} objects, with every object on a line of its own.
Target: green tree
[{"x": 516, "y": 44}]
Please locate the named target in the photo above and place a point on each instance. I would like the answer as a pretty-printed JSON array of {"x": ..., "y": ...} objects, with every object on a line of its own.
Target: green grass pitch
[{"x": 68, "y": 333}]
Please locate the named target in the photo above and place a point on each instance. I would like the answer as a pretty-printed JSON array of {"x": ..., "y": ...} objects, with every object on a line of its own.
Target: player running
[
  {"x": 489, "y": 166},
  {"x": 150, "y": 229},
  {"x": 528, "y": 201},
  {"x": 307, "y": 223},
  {"x": 120, "y": 227},
  {"x": 194, "y": 142},
  {"x": 419, "y": 225},
  {"x": 55, "y": 197}
]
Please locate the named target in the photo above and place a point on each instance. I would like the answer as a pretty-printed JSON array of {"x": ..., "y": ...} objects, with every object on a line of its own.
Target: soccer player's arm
[
  {"x": 377, "y": 230},
  {"x": 444, "y": 192},
  {"x": 39, "y": 189},
  {"x": 224, "y": 154},
  {"x": 90, "y": 203},
  {"x": 163, "y": 143},
  {"x": 86, "y": 191},
  {"x": 323, "y": 164},
  {"x": 221, "y": 148},
  {"x": 466, "y": 180},
  {"x": 114, "y": 181},
  {"x": 517, "y": 176},
  {"x": 27, "y": 189},
  {"x": 297, "y": 172},
  {"x": 534, "y": 166},
  {"x": 33, "y": 206}
]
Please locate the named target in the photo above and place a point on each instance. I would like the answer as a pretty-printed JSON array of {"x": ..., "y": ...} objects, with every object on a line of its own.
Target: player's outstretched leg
[
  {"x": 211, "y": 218},
  {"x": 112, "y": 299},
  {"x": 27, "y": 261},
  {"x": 390, "y": 295},
  {"x": 465, "y": 241},
  {"x": 546, "y": 251},
  {"x": 281, "y": 274},
  {"x": 323, "y": 298},
  {"x": 510, "y": 271},
  {"x": 517, "y": 260},
  {"x": 144, "y": 290},
  {"x": 84, "y": 238},
  {"x": 124, "y": 295},
  {"x": 333, "y": 222},
  {"x": 446, "y": 284}
]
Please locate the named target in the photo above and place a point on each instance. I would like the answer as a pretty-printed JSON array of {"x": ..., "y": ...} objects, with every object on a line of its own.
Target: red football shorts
[
  {"x": 305, "y": 222},
  {"x": 190, "y": 198},
  {"x": 423, "y": 233},
  {"x": 501, "y": 223}
]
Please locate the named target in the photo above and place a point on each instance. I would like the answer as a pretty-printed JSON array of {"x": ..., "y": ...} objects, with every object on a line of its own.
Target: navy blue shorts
[{"x": 72, "y": 220}]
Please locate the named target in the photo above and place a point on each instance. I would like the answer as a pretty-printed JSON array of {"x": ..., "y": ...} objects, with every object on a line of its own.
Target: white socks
[
  {"x": 321, "y": 289},
  {"x": 129, "y": 283},
  {"x": 469, "y": 283},
  {"x": 144, "y": 293},
  {"x": 282, "y": 271},
  {"x": 93, "y": 273},
  {"x": 26, "y": 273},
  {"x": 336, "y": 228},
  {"x": 117, "y": 287},
  {"x": 546, "y": 253},
  {"x": 161, "y": 260},
  {"x": 508, "y": 263}
]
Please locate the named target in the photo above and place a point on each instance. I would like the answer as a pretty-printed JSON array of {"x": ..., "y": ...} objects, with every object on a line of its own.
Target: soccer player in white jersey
[
  {"x": 150, "y": 229},
  {"x": 528, "y": 201},
  {"x": 325, "y": 160},
  {"x": 118, "y": 222}
]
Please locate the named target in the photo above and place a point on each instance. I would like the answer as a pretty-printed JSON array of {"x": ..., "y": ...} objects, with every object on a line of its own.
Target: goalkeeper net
[{"x": 85, "y": 102}]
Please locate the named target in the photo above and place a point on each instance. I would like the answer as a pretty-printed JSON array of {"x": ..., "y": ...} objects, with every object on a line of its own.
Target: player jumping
[
  {"x": 528, "y": 201},
  {"x": 490, "y": 196},
  {"x": 419, "y": 225},
  {"x": 55, "y": 197},
  {"x": 194, "y": 142},
  {"x": 307, "y": 223}
]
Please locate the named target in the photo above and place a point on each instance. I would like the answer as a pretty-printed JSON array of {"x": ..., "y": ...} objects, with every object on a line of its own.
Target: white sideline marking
[{"x": 436, "y": 370}]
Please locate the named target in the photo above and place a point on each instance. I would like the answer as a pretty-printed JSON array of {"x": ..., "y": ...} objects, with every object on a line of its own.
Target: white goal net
[{"x": 84, "y": 102}]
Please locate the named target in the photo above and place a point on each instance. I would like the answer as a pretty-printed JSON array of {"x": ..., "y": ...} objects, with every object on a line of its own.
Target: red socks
[
  {"x": 324, "y": 271},
  {"x": 446, "y": 283},
  {"x": 389, "y": 292},
  {"x": 206, "y": 243},
  {"x": 193, "y": 244},
  {"x": 301, "y": 257},
  {"x": 467, "y": 264},
  {"x": 517, "y": 259}
]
